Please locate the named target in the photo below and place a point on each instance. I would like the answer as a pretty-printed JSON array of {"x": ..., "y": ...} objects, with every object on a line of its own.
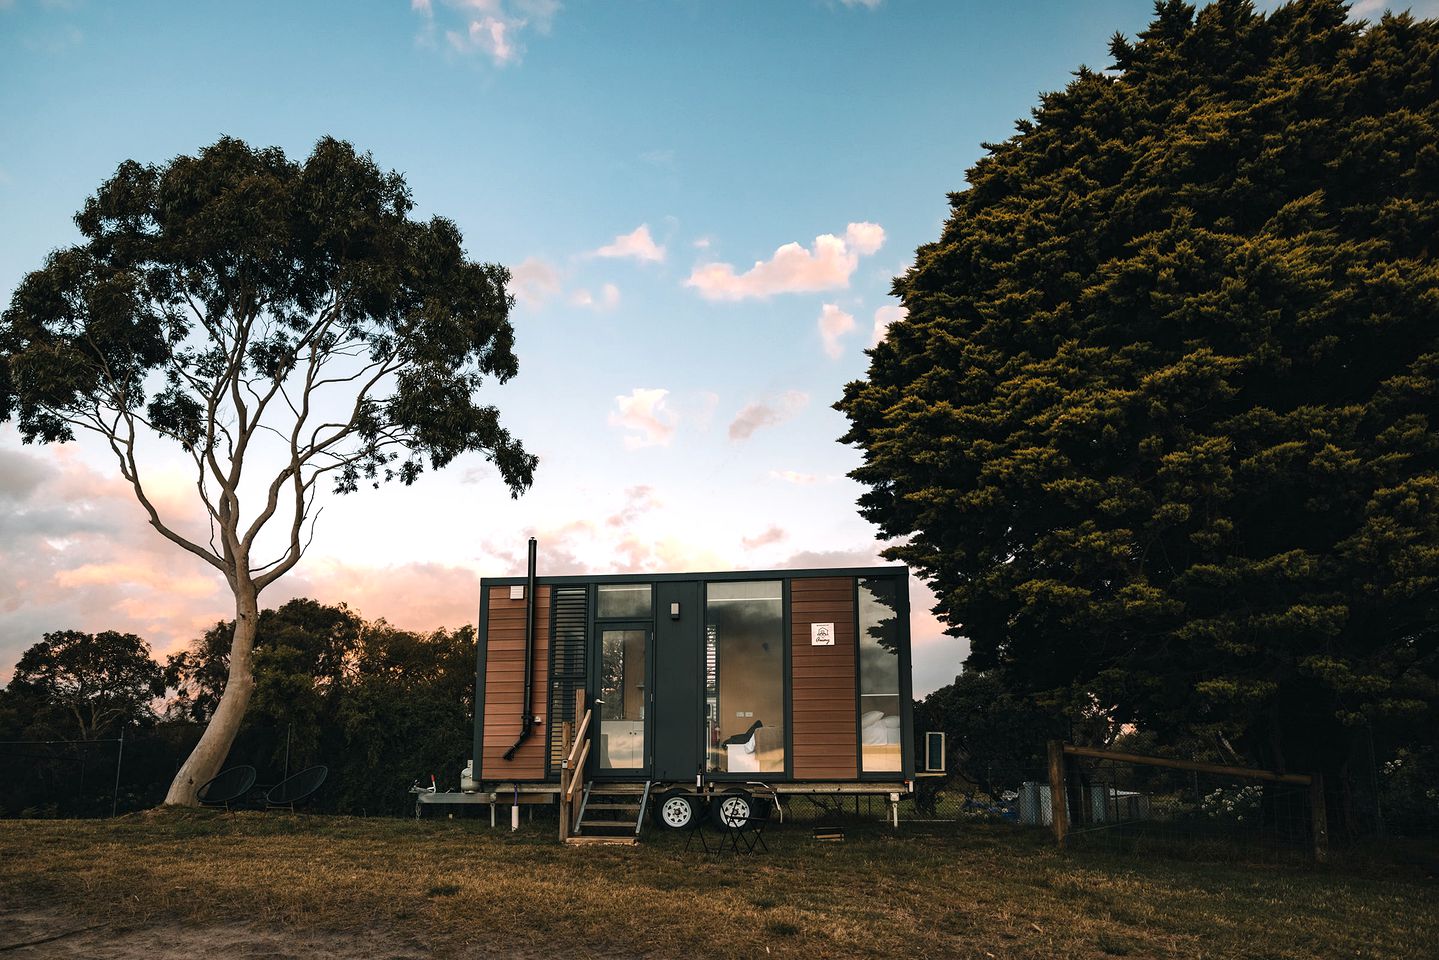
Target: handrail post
[
  {"x": 566, "y": 734},
  {"x": 1058, "y": 795},
  {"x": 577, "y": 763}
]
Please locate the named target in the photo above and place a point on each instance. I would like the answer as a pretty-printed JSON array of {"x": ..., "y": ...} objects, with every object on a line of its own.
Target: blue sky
[{"x": 703, "y": 204}]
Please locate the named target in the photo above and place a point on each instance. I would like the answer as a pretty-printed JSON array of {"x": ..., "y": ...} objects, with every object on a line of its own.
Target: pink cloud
[
  {"x": 834, "y": 324},
  {"x": 635, "y": 245},
  {"x": 535, "y": 281},
  {"x": 491, "y": 28},
  {"x": 827, "y": 265},
  {"x": 772, "y": 534},
  {"x": 643, "y": 413},
  {"x": 766, "y": 413},
  {"x": 78, "y": 554},
  {"x": 412, "y": 596},
  {"x": 608, "y": 298},
  {"x": 639, "y": 500},
  {"x": 864, "y": 238},
  {"x": 883, "y": 317}
]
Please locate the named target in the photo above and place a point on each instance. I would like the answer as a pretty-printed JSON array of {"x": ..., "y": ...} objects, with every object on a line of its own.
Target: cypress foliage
[{"x": 1160, "y": 425}]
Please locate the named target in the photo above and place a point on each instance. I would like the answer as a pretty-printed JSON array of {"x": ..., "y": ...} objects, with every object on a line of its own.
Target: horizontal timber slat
[{"x": 1239, "y": 773}]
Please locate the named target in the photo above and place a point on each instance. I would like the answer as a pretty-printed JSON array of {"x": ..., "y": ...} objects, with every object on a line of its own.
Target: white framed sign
[{"x": 821, "y": 634}]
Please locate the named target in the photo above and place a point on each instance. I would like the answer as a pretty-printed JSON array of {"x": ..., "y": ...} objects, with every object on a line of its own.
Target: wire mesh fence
[
  {"x": 60, "y": 778},
  {"x": 1143, "y": 809}
]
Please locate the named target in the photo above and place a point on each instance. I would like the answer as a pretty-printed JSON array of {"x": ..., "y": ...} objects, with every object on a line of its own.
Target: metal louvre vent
[{"x": 569, "y": 620}]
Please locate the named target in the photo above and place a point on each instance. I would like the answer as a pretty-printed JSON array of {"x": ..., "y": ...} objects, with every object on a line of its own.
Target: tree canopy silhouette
[{"x": 1160, "y": 423}]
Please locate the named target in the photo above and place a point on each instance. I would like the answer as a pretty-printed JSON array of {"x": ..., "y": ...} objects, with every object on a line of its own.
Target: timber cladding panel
[
  {"x": 505, "y": 687},
  {"x": 822, "y": 681}
]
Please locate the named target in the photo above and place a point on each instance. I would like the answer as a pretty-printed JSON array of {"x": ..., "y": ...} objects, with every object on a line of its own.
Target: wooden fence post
[
  {"x": 1319, "y": 817},
  {"x": 1059, "y": 814}
]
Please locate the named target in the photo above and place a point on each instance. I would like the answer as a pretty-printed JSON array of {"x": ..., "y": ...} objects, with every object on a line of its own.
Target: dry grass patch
[{"x": 458, "y": 888}]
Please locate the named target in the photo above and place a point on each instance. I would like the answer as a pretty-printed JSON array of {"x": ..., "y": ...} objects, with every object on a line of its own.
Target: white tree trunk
[{"x": 214, "y": 746}]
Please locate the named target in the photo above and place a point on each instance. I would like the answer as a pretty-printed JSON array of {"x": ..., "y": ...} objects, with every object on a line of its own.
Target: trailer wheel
[
  {"x": 732, "y": 810},
  {"x": 677, "y": 810}
]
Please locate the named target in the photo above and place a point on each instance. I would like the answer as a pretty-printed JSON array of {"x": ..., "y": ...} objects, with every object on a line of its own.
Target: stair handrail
[
  {"x": 644, "y": 802},
  {"x": 575, "y": 750},
  {"x": 577, "y": 780},
  {"x": 574, "y": 766}
]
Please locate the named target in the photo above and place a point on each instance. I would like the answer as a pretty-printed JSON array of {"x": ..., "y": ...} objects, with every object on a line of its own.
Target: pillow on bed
[
  {"x": 892, "y": 722},
  {"x": 871, "y": 716}
]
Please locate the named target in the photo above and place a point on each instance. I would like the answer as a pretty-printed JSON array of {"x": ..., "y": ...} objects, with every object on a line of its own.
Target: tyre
[
  {"x": 677, "y": 810},
  {"x": 732, "y": 809}
]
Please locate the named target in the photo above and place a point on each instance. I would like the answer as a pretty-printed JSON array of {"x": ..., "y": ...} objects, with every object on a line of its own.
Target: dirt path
[{"x": 75, "y": 938}]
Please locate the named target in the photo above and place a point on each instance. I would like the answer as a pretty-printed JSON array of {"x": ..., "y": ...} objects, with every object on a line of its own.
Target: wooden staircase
[
  {"x": 611, "y": 813},
  {"x": 603, "y": 813}
]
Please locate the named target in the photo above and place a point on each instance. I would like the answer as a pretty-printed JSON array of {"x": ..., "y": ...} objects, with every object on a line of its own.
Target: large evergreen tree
[{"x": 1160, "y": 425}]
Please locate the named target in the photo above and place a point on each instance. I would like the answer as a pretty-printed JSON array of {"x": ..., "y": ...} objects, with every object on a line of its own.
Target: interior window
[{"x": 744, "y": 677}]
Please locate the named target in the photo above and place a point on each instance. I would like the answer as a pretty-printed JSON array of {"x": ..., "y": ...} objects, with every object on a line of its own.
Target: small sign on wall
[{"x": 821, "y": 634}]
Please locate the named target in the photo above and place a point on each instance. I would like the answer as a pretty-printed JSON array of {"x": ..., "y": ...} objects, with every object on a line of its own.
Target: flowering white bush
[{"x": 1230, "y": 803}]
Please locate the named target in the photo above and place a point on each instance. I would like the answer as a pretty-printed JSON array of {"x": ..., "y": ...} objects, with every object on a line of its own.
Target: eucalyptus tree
[{"x": 289, "y": 328}]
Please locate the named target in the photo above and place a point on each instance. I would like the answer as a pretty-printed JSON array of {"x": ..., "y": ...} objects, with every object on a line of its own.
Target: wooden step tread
[
  {"x": 629, "y": 824},
  {"x": 612, "y": 806},
  {"x": 617, "y": 789},
  {"x": 624, "y": 841}
]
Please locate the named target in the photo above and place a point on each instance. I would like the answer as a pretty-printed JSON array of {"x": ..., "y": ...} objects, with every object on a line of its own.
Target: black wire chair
[
  {"x": 225, "y": 789},
  {"x": 296, "y": 789}
]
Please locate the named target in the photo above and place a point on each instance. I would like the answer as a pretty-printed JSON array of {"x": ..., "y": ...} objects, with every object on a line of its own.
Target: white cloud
[
  {"x": 867, "y": 4},
  {"x": 766, "y": 413},
  {"x": 883, "y": 317},
  {"x": 794, "y": 476},
  {"x": 1372, "y": 10},
  {"x": 535, "y": 282},
  {"x": 834, "y": 324},
  {"x": 644, "y": 414},
  {"x": 607, "y": 299},
  {"x": 827, "y": 265},
  {"x": 865, "y": 238},
  {"x": 635, "y": 245}
]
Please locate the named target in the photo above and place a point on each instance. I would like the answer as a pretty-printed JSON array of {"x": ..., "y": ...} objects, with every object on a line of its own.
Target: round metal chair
[
  {"x": 296, "y": 789},
  {"x": 225, "y": 789}
]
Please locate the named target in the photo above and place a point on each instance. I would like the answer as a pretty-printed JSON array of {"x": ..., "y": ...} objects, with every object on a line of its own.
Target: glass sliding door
[
  {"x": 624, "y": 676},
  {"x": 744, "y": 677}
]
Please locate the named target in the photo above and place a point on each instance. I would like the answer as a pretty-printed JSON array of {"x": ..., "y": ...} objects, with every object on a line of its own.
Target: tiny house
[{"x": 686, "y": 685}]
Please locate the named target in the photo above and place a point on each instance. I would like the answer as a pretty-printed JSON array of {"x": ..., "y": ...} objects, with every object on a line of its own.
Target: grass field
[{"x": 174, "y": 884}]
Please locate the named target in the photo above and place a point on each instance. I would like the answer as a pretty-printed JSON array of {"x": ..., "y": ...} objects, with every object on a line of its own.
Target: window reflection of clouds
[
  {"x": 624, "y": 601},
  {"x": 879, "y": 699}
]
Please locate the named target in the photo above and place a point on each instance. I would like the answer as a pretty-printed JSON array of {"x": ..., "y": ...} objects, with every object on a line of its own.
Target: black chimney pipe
[{"x": 527, "y": 719}]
